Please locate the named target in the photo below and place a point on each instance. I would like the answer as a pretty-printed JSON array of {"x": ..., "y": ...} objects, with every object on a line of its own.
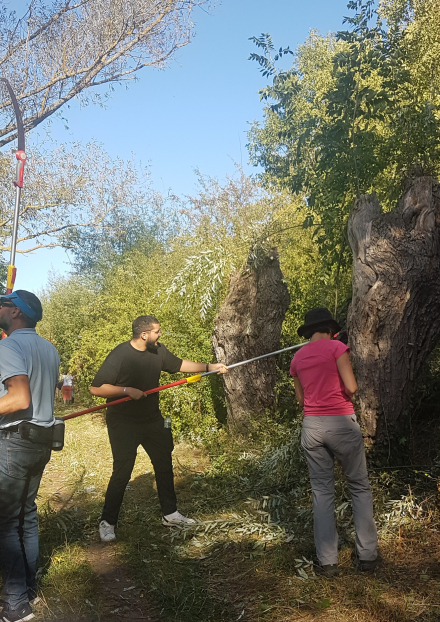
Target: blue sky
[{"x": 196, "y": 112}]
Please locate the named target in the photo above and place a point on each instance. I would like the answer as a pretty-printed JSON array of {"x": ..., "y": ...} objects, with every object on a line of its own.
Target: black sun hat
[{"x": 318, "y": 316}]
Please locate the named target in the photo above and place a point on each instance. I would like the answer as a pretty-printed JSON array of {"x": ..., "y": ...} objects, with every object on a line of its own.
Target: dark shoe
[
  {"x": 326, "y": 570},
  {"x": 368, "y": 566},
  {"x": 23, "y": 614}
]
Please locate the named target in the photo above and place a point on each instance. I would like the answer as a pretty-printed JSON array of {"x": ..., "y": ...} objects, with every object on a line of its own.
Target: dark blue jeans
[{"x": 21, "y": 467}]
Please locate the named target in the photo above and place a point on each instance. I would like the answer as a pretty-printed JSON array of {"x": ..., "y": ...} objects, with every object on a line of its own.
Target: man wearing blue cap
[{"x": 29, "y": 368}]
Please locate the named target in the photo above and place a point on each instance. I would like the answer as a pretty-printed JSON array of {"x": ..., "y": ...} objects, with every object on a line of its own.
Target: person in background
[
  {"x": 29, "y": 367},
  {"x": 59, "y": 386},
  {"x": 130, "y": 369},
  {"x": 67, "y": 388},
  {"x": 324, "y": 383}
]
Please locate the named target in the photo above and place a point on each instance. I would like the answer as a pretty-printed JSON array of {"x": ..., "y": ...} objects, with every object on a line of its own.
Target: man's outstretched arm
[{"x": 190, "y": 367}]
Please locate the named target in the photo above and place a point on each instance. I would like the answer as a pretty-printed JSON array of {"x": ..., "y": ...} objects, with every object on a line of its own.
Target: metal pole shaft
[
  {"x": 257, "y": 358},
  {"x": 15, "y": 226}
]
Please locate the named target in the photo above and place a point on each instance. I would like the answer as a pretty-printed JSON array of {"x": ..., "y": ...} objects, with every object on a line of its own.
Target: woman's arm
[
  {"x": 299, "y": 391},
  {"x": 346, "y": 372}
]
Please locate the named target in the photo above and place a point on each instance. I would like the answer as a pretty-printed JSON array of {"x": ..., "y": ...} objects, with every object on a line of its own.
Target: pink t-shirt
[{"x": 315, "y": 366}]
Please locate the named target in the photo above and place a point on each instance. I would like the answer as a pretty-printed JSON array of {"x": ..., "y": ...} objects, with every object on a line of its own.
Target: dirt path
[
  {"x": 122, "y": 599},
  {"x": 115, "y": 596}
]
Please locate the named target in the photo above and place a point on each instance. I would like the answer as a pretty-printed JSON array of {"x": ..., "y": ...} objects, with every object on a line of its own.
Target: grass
[{"x": 250, "y": 557}]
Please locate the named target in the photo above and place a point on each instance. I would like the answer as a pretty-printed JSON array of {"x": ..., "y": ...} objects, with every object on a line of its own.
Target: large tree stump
[
  {"x": 247, "y": 325},
  {"x": 394, "y": 317}
]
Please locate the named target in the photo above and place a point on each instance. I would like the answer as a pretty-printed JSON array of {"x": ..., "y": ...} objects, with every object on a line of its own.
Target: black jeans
[{"x": 125, "y": 437}]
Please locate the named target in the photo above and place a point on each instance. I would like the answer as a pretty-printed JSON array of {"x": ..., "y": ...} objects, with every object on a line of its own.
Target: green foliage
[
  {"x": 266, "y": 62},
  {"x": 3, "y": 276},
  {"x": 182, "y": 281},
  {"x": 63, "y": 205},
  {"x": 95, "y": 250},
  {"x": 67, "y": 306},
  {"x": 85, "y": 320},
  {"x": 356, "y": 112}
]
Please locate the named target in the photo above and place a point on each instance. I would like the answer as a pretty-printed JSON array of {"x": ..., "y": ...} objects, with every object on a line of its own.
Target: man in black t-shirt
[{"x": 130, "y": 369}]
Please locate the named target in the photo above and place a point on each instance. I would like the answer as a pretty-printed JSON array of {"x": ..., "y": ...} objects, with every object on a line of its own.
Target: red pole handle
[
  {"x": 122, "y": 399},
  {"x": 21, "y": 159}
]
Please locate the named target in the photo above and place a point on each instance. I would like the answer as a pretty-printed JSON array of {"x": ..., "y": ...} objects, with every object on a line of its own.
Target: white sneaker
[
  {"x": 106, "y": 531},
  {"x": 176, "y": 518}
]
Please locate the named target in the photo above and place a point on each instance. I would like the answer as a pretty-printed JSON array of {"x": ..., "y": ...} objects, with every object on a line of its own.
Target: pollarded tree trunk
[
  {"x": 394, "y": 317},
  {"x": 247, "y": 325}
]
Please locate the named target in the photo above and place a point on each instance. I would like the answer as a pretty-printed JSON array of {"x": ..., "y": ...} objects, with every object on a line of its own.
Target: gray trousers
[{"x": 323, "y": 440}]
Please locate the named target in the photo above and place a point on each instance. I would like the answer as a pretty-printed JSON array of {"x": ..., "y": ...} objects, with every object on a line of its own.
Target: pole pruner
[
  {"x": 20, "y": 154},
  {"x": 189, "y": 380}
]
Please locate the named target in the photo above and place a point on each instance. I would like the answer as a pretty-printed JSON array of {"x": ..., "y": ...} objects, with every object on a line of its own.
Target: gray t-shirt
[{"x": 26, "y": 353}]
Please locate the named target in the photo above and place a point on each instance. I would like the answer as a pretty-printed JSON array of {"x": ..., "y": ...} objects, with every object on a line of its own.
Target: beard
[{"x": 152, "y": 346}]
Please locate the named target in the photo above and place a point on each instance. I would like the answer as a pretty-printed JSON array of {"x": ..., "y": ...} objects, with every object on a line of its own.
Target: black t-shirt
[{"x": 127, "y": 367}]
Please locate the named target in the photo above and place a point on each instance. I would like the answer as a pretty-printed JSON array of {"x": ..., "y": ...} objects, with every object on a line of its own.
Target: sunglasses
[{"x": 6, "y": 304}]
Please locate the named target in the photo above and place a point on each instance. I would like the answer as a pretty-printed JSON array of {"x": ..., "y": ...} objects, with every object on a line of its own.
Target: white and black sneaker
[
  {"x": 177, "y": 519},
  {"x": 22, "y": 614},
  {"x": 34, "y": 599},
  {"x": 106, "y": 531}
]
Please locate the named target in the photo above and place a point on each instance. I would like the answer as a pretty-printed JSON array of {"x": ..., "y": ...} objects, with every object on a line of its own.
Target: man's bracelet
[
  {"x": 207, "y": 366},
  {"x": 125, "y": 388}
]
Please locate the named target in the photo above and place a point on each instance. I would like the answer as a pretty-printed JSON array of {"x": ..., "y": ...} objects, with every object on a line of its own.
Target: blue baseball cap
[{"x": 27, "y": 302}]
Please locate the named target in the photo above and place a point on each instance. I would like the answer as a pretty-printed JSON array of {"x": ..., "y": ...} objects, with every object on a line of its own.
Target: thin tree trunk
[
  {"x": 394, "y": 317},
  {"x": 247, "y": 325}
]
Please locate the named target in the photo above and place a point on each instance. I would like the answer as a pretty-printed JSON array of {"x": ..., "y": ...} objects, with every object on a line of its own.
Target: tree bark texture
[
  {"x": 248, "y": 324},
  {"x": 394, "y": 317}
]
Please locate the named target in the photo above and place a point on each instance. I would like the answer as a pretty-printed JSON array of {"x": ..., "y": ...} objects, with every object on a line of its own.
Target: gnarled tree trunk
[
  {"x": 394, "y": 317},
  {"x": 247, "y": 325}
]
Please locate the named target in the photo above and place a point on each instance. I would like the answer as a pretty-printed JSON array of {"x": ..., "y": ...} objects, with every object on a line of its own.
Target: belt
[{"x": 5, "y": 431}]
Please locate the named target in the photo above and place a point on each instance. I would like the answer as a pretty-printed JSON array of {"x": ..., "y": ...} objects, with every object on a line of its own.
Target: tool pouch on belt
[
  {"x": 58, "y": 434},
  {"x": 53, "y": 436}
]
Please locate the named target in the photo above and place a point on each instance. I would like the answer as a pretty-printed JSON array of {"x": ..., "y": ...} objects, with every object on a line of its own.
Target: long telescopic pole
[
  {"x": 178, "y": 382},
  {"x": 20, "y": 154},
  {"x": 257, "y": 358}
]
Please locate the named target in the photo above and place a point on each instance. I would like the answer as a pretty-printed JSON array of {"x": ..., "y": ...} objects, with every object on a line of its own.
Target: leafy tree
[
  {"x": 57, "y": 51},
  {"x": 97, "y": 250},
  {"x": 286, "y": 145},
  {"x": 218, "y": 227},
  {"x": 61, "y": 49},
  {"x": 351, "y": 116},
  {"x": 228, "y": 227},
  {"x": 61, "y": 198},
  {"x": 67, "y": 313}
]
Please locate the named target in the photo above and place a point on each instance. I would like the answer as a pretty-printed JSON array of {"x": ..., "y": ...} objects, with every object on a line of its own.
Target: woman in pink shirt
[{"x": 324, "y": 383}]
